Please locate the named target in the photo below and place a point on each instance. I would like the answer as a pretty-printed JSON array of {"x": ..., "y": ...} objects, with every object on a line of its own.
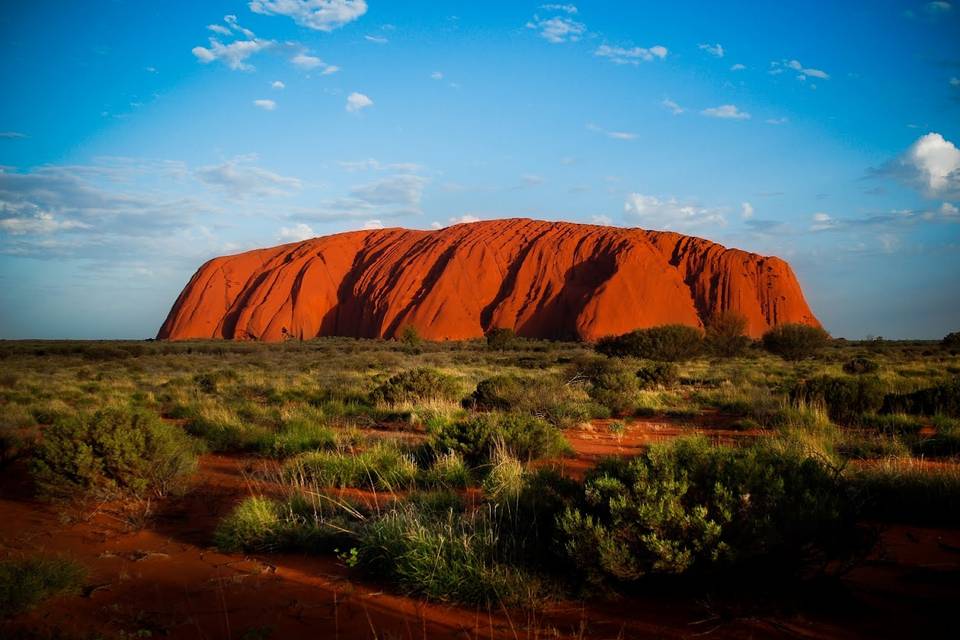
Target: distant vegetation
[{"x": 456, "y": 453}]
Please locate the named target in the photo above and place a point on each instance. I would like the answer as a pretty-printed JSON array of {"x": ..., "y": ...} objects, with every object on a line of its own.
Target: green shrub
[
  {"x": 448, "y": 470},
  {"x": 846, "y": 399},
  {"x": 951, "y": 341},
  {"x": 505, "y": 478},
  {"x": 259, "y": 525},
  {"x": 668, "y": 343},
  {"x": 113, "y": 451},
  {"x": 26, "y": 582},
  {"x": 726, "y": 334},
  {"x": 477, "y": 437},
  {"x": 942, "y": 399},
  {"x": 860, "y": 365},
  {"x": 612, "y": 384},
  {"x": 501, "y": 339},
  {"x": 546, "y": 397},
  {"x": 384, "y": 466},
  {"x": 691, "y": 507},
  {"x": 658, "y": 374},
  {"x": 298, "y": 435},
  {"x": 416, "y": 386},
  {"x": 795, "y": 341},
  {"x": 906, "y": 491}
]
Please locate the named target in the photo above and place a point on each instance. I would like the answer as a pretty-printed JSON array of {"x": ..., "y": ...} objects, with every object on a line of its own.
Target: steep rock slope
[{"x": 543, "y": 279}]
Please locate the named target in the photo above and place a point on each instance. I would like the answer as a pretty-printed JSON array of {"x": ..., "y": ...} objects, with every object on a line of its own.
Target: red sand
[{"x": 553, "y": 280}]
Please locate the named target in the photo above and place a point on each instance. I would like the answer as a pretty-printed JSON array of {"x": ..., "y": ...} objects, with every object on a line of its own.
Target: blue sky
[{"x": 139, "y": 139}]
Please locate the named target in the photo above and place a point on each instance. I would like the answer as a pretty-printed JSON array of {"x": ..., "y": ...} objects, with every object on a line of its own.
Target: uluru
[{"x": 552, "y": 280}]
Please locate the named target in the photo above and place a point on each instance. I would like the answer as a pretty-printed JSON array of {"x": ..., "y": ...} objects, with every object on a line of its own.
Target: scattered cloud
[
  {"x": 401, "y": 190},
  {"x": 653, "y": 212},
  {"x": 601, "y": 219},
  {"x": 738, "y": 67},
  {"x": 931, "y": 164},
  {"x": 955, "y": 82},
  {"x": 633, "y": 55},
  {"x": 372, "y": 164},
  {"x": 566, "y": 8},
  {"x": 715, "y": 50},
  {"x": 370, "y": 225},
  {"x": 266, "y": 105},
  {"x": 781, "y": 120},
  {"x": 306, "y": 61},
  {"x": 233, "y": 54},
  {"x": 12, "y": 135},
  {"x": 357, "y": 101},
  {"x": 746, "y": 210},
  {"x": 557, "y": 29},
  {"x": 616, "y": 135},
  {"x": 937, "y": 8},
  {"x": 437, "y": 75},
  {"x": 277, "y": 84},
  {"x": 40, "y": 223},
  {"x": 320, "y": 15},
  {"x": 726, "y": 111},
  {"x": 296, "y": 233},
  {"x": 778, "y": 67},
  {"x": 239, "y": 178},
  {"x": 672, "y": 106},
  {"x": 376, "y": 39}
]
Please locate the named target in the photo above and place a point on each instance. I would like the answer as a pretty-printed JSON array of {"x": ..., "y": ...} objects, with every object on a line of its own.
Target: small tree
[
  {"x": 666, "y": 343},
  {"x": 726, "y": 334},
  {"x": 410, "y": 337},
  {"x": 501, "y": 339},
  {"x": 795, "y": 341},
  {"x": 951, "y": 341}
]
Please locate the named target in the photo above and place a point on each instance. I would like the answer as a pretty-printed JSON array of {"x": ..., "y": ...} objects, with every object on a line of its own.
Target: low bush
[
  {"x": 658, "y": 375},
  {"x": 942, "y": 399},
  {"x": 860, "y": 365},
  {"x": 611, "y": 383},
  {"x": 25, "y": 582},
  {"x": 689, "y": 507},
  {"x": 906, "y": 491},
  {"x": 260, "y": 525},
  {"x": 795, "y": 341},
  {"x": 726, "y": 334},
  {"x": 668, "y": 343},
  {"x": 476, "y": 438},
  {"x": 448, "y": 470},
  {"x": 546, "y": 397},
  {"x": 383, "y": 466},
  {"x": 951, "y": 341},
  {"x": 846, "y": 399},
  {"x": 417, "y": 386},
  {"x": 113, "y": 451},
  {"x": 501, "y": 339}
]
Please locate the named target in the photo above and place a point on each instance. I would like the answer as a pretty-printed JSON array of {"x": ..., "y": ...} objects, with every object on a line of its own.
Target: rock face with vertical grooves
[{"x": 553, "y": 280}]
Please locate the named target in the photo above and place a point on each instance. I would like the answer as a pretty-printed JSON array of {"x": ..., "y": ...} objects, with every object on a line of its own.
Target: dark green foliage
[
  {"x": 260, "y": 525},
  {"x": 383, "y": 466},
  {"x": 475, "y": 438},
  {"x": 941, "y": 399},
  {"x": 113, "y": 451},
  {"x": 417, "y": 385},
  {"x": 543, "y": 396},
  {"x": 846, "y": 399},
  {"x": 25, "y": 582},
  {"x": 668, "y": 343},
  {"x": 612, "y": 384},
  {"x": 658, "y": 374},
  {"x": 908, "y": 493},
  {"x": 795, "y": 341},
  {"x": 726, "y": 334},
  {"x": 501, "y": 339},
  {"x": 691, "y": 507},
  {"x": 860, "y": 365},
  {"x": 500, "y": 393},
  {"x": 410, "y": 337},
  {"x": 951, "y": 341}
]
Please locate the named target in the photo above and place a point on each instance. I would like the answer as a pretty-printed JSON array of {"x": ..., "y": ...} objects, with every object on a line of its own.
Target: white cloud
[
  {"x": 746, "y": 210},
  {"x": 437, "y": 75},
  {"x": 12, "y": 135},
  {"x": 297, "y": 233},
  {"x": 41, "y": 223},
  {"x": 266, "y": 105},
  {"x": 277, "y": 84},
  {"x": 778, "y": 67},
  {"x": 776, "y": 120},
  {"x": 357, "y": 101},
  {"x": 370, "y": 225},
  {"x": 558, "y": 29},
  {"x": 933, "y": 164},
  {"x": 823, "y": 222},
  {"x": 320, "y": 15},
  {"x": 372, "y": 164},
  {"x": 672, "y": 106},
  {"x": 616, "y": 135},
  {"x": 235, "y": 53},
  {"x": 656, "y": 213},
  {"x": 219, "y": 28},
  {"x": 950, "y": 211},
  {"x": 403, "y": 190},
  {"x": 955, "y": 82},
  {"x": 376, "y": 39},
  {"x": 464, "y": 219},
  {"x": 937, "y": 7},
  {"x": 633, "y": 55},
  {"x": 239, "y": 178},
  {"x": 726, "y": 111},
  {"x": 566, "y": 8},
  {"x": 601, "y": 219},
  {"x": 715, "y": 50},
  {"x": 738, "y": 67}
]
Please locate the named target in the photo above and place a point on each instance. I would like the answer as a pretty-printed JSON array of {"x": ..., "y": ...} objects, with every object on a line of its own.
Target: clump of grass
[
  {"x": 25, "y": 582},
  {"x": 416, "y": 386},
  {"x": 545, "y": 396},
  {"x": 383, "y": 466},
  {"x": 505, "y": 478},
  {"x": 908, "y": 491},
  {"x": 476, "y": 438},
  {"x": 113, "y": 451},
  {"x": 448, "y": 470}
]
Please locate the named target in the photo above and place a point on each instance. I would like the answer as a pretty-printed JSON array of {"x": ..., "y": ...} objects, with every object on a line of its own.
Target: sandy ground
[{"x": 164, "y": 577}]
